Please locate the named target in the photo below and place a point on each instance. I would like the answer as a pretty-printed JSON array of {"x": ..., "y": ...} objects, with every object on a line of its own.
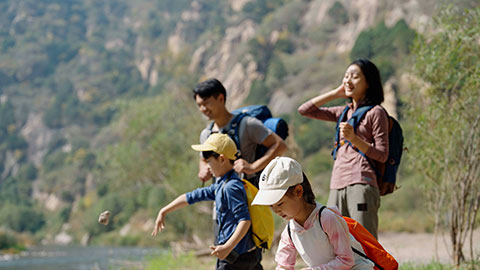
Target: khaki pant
[{"x": 360, "y": 202}]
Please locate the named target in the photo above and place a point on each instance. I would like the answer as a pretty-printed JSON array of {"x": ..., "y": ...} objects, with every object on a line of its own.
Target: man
[{"x": 210, "y": 96}]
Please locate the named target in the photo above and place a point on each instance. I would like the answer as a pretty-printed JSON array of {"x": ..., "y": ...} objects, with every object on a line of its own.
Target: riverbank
[{"x": 411, "y": 250}]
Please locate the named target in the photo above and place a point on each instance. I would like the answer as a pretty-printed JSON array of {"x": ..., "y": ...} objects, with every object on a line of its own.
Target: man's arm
[
  {"x": 222, "y": 251},
  {"x": 179, "y": 202},
  {"x": 276, "y": 147}
]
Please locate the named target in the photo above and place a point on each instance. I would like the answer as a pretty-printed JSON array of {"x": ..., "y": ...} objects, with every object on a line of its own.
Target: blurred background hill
[{"x": 96, "y": 111}]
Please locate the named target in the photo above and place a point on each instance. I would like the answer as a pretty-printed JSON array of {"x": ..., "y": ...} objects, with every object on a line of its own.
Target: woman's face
[{"x": 355, "y": 83}]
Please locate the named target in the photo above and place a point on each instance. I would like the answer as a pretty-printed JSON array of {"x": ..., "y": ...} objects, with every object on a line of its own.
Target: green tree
[
  {"x": 445, "y": 109},
  {"x": 311, "y": 135},
  {"x": 384, "y": 46},
  {"x": 256, "y": 10},
  {"x": 154, "y": 153},
  {"x": 21, "y": 218},
  {"x": 338, "y": 13}
]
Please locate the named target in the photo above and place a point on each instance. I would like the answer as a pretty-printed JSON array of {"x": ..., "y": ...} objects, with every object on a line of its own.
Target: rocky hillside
[{"x": 76, "y": 78}]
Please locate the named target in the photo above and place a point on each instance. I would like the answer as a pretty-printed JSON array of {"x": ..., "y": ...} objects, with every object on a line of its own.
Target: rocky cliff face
[
  {"x": 228, "y": 58},
  {"x": 38, "y": 137},
  {"x": 237, "y": 69}
]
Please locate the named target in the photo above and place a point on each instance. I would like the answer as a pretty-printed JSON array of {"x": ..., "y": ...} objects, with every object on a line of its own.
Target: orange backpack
[{"x": 372, "y": 248}]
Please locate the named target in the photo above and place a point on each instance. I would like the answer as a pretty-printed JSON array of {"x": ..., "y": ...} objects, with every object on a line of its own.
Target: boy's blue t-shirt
[{"x": 230, "y": 205}]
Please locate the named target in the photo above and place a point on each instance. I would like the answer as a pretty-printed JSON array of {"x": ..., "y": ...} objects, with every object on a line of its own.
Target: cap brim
[
  {"x": 202, "y": 147},
  {"x": 268, "y": 197}
]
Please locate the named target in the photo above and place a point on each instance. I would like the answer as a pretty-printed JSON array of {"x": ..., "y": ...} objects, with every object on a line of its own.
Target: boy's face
[
  {"x": 289, "y": 206},
  {"x": 216, "y": 165},
  {"x": 210, "y": 106}
]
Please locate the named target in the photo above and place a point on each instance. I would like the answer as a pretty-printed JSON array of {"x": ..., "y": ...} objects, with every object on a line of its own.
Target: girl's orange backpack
[{"x": 373, "y": 250}]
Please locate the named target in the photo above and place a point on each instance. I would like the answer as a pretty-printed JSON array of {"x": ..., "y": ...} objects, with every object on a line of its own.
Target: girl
[
  {"x": 323, "y": 243},
  {"x": 353, "y": 184}
]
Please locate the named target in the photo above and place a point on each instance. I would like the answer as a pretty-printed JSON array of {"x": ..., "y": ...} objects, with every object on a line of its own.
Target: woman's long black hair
[{"x": 374, "y": 94}]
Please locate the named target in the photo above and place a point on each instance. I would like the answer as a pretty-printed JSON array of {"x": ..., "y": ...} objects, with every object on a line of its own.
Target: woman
[{"x": 353, "y": 184}]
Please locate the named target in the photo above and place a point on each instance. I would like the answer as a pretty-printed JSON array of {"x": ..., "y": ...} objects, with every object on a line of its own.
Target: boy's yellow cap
[{"x": 220, "y": 144}]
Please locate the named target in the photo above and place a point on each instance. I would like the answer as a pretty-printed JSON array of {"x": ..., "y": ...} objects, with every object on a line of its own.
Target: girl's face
[
  {"x": 290, "y": 205},
  {"x": 355, "y": 83}
]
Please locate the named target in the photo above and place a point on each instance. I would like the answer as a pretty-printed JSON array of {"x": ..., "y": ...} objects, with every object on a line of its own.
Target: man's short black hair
[{"x": 209, "y": 88}]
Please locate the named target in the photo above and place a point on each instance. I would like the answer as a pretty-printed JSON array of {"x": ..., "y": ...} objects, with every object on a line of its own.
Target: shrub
[
  {"x": 311, "y": 135},
  {"x": 21, "y": 218},
  {"x": 384, "y": 46},
  {"x": 338, "y": 13}
]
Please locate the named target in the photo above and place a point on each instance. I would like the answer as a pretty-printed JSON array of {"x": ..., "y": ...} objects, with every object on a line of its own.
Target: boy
[{"x": 234, "y": 246}]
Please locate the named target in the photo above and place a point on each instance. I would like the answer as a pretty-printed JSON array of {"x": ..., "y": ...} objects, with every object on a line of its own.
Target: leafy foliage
[
  {"x": 384, "y": 46},
  {"x": 446, "y": 121},
  {"x": 312, "y": 135},
  {"x": 102, "y": 77},
  {"x": 151, "y": 164},
  {"x": 21, "y": 218},
  {"x": 175, "y": 262},
  {"x": 257, "y": 10},
  {"x": 338, "y": 13}
]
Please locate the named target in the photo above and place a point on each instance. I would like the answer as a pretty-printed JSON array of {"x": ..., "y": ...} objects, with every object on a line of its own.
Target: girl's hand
[{"x": 346, "y": 130}]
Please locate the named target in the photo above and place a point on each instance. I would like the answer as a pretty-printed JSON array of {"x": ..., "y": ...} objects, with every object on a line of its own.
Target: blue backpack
[
  {"x": 262, "y": 113},
  {"x": 386, "y": 172}
]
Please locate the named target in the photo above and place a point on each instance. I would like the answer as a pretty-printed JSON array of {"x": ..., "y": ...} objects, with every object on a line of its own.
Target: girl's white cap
[{"x": 280, "y": 174}]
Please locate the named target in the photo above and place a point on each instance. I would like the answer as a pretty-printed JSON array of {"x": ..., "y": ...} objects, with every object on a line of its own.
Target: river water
[{"x": 78, "y": 258}]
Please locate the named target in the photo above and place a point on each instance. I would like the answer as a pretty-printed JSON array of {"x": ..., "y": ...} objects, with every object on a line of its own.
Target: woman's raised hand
[{"x": 340, "y": 91}]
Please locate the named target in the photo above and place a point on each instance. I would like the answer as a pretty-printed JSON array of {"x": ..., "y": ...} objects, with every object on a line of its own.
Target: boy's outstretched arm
[
  {"x": 222, "y": 251},
  {"x": 179, "y": 202}
]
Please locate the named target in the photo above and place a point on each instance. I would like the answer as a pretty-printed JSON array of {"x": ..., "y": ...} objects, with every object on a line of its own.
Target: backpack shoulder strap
[
  {"x": 358, "y": 115},
  {"x": 289, "y": 232},
  {"x": 233, "y": 129},
  {"x": 210, "y": 127},
  {"x": 319, "y": 215},
  {"x": 337, "y": 132}
]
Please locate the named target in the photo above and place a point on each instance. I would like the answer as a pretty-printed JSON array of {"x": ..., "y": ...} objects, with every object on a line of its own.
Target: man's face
[{"x": 210, "y": 106}]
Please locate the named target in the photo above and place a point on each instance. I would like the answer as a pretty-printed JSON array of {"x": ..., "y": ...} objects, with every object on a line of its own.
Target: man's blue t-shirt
[{"x": 230, "y": 205}]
